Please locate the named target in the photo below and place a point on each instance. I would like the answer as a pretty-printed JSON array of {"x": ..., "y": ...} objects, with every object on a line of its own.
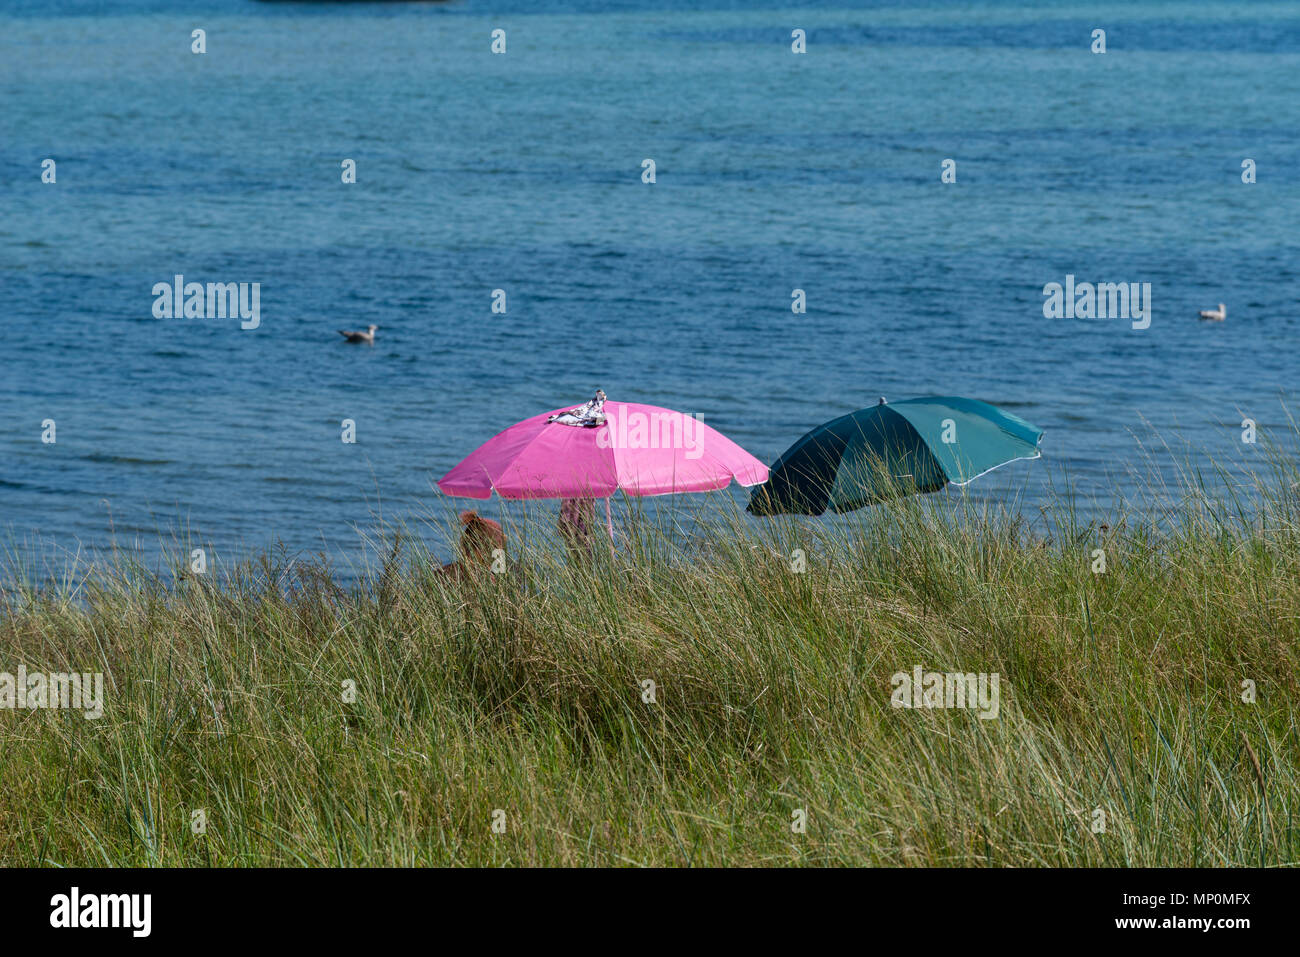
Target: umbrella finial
[{"x": 882, "y": 400}]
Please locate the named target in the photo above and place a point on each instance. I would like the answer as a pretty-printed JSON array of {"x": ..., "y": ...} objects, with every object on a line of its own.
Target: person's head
[{"x": 480, "y": 537}]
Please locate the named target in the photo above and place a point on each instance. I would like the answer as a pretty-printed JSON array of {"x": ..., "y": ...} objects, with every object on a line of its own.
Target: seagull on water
[
  {"x": 368, "y": 337},
  {"x": 1215, "y": 315}
]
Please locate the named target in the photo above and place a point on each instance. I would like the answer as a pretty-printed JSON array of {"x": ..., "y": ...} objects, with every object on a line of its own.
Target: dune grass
[{"x": 523, "y": 693}]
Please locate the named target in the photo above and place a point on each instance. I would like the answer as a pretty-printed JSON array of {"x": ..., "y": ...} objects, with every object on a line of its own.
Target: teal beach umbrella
[{"x": 892, "y": 449}]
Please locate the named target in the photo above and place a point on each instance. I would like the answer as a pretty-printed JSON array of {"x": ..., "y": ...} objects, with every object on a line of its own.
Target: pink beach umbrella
[{"x": 602, "y": 448}]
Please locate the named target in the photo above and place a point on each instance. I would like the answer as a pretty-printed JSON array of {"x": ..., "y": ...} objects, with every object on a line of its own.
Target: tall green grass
[{"x": 523, "y": 692}]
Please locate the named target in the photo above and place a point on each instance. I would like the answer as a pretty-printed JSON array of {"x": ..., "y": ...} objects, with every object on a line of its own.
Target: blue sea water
[{"x": 522, "y": 172}]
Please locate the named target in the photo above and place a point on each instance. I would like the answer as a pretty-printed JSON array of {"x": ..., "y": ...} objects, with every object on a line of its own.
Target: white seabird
[{"x": 368, "y": 337}]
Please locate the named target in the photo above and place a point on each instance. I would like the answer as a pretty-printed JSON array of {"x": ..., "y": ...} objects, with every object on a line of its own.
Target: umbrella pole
[{"x": 609, "y": 523}]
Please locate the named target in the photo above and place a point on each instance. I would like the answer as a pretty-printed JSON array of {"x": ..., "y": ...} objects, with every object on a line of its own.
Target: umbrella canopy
[
  {"x": 638, "y": 449},
  {"x": 917, "y": 445}
]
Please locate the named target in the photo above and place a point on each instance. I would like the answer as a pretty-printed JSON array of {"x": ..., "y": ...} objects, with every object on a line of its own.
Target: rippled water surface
[{"x": 523, "y": 172}]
